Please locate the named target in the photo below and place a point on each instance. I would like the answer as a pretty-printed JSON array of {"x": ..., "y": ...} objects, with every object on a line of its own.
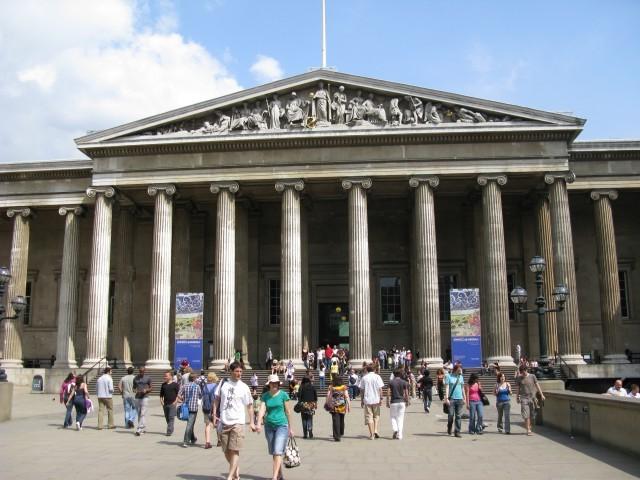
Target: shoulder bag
[
  {"x": 483, "y": 397},
  {"x": 445, "y": 407},
  {"x": 291, "y": 454}
]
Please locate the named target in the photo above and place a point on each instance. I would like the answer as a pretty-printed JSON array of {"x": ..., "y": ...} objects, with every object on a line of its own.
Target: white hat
[{"x": 273, "y": 379}]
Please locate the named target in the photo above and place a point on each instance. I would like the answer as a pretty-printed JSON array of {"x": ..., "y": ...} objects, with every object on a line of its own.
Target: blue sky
[{"x": 110, "y": 62}]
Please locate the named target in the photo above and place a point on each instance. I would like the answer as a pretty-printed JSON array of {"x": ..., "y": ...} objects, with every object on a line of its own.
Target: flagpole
[{"x": 324, "y": 34}]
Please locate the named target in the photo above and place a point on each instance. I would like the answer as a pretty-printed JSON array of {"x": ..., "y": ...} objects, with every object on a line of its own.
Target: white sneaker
[{"x": 78, "y": 426}]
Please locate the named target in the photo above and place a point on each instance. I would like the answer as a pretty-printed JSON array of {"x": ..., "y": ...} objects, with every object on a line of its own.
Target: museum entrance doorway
[{"x": 333, "y": 324}]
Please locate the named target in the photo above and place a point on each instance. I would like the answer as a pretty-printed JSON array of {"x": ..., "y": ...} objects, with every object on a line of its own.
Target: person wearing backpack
[
  {"x": 189, "y": 395},
  {"x": 208, "y": 397}
]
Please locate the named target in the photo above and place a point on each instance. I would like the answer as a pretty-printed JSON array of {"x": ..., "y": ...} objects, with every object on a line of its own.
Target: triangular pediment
[{"x": 325, "y": 101}]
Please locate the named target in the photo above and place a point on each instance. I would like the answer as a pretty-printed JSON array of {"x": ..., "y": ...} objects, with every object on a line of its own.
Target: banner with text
[
  {"x": 189, "y": 315},
  {"x": 466, "y": 339}
]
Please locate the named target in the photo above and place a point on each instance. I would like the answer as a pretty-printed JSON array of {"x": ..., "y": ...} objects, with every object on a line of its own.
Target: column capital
[
  {"x": 215, "y": 187},
  {"x": 432, "y": 180},
  {"x": 21, "y": 212},
  {"x": 169, "y": 189},
  {"x": 108, "y": 192},
  {"x": 609, "y": 193},
  {"x": 74, "y": 209},
  {"x": 551, "y": 177},
  {"x": 485, "y": 179},
  {"x": 281, "y": 185},
  {"x": 348, "y": 183}
]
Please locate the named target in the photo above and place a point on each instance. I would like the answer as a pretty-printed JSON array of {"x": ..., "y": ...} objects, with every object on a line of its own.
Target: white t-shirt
[
  {"x": 634, "y": 395},
  {"x": 617, "y": 393},
  {"x": 370, "y": 385},
  {"x": 234, "y": 398}
]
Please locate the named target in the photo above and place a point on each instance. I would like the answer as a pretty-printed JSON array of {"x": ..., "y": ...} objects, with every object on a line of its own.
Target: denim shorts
[{"x": 276, "y": 438}]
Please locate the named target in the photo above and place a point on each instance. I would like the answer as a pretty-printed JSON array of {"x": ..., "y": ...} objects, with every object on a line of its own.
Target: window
[
  {"x": 511, "y": 284},
  {"x": 112, "y": 298},
  {"x": 390, "y": 300},
  {"x": 623, "y": 276},
  {"x": 26, "y": 313},
  {"x": 274, "y": 302},
  {"x": 445, "y": 283}
]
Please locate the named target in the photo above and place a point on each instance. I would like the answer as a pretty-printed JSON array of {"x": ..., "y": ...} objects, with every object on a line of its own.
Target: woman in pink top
[{"x": 474, "y": 404}]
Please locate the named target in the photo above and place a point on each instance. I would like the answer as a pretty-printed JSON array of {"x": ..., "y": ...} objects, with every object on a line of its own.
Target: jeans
[
  {"x": 67, "y": 418},
  {"x": 307, "y": 423},
  {"x": 427, "y": 399},
  {"x": 504, "y": 409},
  {"x": 475, "y": 416},
  {"x": 141, "y": 408},
  {"x": 455, "y": 411},
  {"x": 81, "y": 408},
  {"x": 189, "y": 436},
  {"x": 353, "y": 391},
  {"x": 397, "y": 417},
  {"x": 105, "y": 404},
  {"x": 338, "y": 425},
  {"x": 322, "y": 382},
  {"x": 129, "y": 410},
  {"x": 276, "y": 438},
  {"x": 327, "y": 363},
  {"x": 169, "y": 416}
]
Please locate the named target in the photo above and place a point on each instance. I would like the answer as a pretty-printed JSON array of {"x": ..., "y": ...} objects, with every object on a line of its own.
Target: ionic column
[
  {"x": 125, "y": 275},
  {"x": 564, "y": 269},
  {"x": 609, "y": 280},
  {"x": 98, "y": 310},
  {"x": 158, "y": 354},
  {"x": 225, "y": 272},
  {"x": 359, "y": 293},
  {"x": 68, "y": 295},
  {"x": 427, "y": 301},
  {"x": 495, "y": 274},
  {"x": 545, "y": 249},
  {"x": 12, "y": 329},
  {"x": 291, "y": 272},
  {"x": 180, "y": 262}
]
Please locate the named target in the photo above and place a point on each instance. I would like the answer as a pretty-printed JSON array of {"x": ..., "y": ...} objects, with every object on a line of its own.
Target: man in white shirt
[
  {"x": 232, "y": 401},
  {"x": 371, "y": 398},
  {"x": 104, "y": 392},
  {"x": 617, "y": 390}
]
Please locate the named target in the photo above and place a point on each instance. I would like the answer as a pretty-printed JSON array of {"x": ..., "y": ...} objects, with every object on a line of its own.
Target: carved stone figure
[
  {"x": 395, "y": 114},
  {"x": 355, "y": 111},
  {"x": 464, "y": 115},
  {"x": 320, "y": 105},
  {"x": 416, "y": 110},
  {"x": 256, "y": 120},
  {"x": 240, "y": 117},
  {"x": 206, "y": 129},
  {"x": 224, "y": 122},
  {"x": 339, "y": 105},
  {"x": 275, "y": 112},
  {"x": 372, "y": 112},
  {"x": 431, "y": 113},
  {"x": 294, "y": 110}
]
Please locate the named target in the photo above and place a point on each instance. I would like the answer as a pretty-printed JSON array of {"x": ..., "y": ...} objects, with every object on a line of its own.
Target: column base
[
  {"x": 89, "y": 363},
  {"x": 218, "y": 364},
  {"x": 356, "y": 363},
  {"x": 65, "y": 364},
  {"x": 573, "y": 359},
  {"x": 432, "y": 362},
  {"x": 10, "y": 363},
  {"x": 157, "y": 365},
  {"x": 505, "y": 361},
  {"x": 615, "y": 358}
]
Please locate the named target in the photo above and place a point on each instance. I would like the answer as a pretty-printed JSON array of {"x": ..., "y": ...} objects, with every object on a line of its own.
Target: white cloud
[
  {"x": 266, "y": 69},
  {"x": 92, "y": 65},
  {"x": 493, "y": 79}
]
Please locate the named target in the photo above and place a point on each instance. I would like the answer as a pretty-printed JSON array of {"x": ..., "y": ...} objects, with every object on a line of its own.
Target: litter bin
[
  {"x": 37, "y": 384},
  {"x": 580, "y": 419}
]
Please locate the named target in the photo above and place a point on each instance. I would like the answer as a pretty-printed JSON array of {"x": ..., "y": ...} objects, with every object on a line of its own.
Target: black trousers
[{"x": 338, "y": 424}]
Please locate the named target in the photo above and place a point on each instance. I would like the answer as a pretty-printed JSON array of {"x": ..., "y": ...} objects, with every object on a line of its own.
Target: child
[{"x": 257, "y": 402}]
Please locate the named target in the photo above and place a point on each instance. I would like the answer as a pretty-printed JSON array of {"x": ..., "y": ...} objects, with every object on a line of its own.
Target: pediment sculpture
[{"x": 323, "y": 106}]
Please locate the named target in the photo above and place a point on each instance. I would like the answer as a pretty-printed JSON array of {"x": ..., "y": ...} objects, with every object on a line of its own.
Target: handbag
[
  {"x": 328, "y": 403},
  {"x": 445, "y": 407},
  {"x": 291, "y": 454},
  {"x": 183, "y": 412},
  {"x": 298, "y": 407},
  {"x": 484, "y": 398}
]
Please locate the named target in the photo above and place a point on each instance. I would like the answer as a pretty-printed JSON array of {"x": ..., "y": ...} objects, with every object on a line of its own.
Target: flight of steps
[{"x": 486, "y": 381}]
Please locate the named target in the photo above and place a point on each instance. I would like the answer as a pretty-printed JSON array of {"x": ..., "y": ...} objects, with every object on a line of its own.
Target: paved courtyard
[{"x": 34, "y": 446}]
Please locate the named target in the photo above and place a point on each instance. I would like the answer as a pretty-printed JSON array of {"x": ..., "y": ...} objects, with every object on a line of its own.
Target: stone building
[{"x": 320, "y": 208}]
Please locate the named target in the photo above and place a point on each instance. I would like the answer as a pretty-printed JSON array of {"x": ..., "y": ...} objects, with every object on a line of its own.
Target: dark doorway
[{"x": 333, "y": 322}]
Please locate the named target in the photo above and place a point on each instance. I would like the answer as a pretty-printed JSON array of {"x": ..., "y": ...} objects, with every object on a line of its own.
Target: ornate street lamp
[
  {"x": 519, "y": 298},
  {"x": 18, "y": 304}
]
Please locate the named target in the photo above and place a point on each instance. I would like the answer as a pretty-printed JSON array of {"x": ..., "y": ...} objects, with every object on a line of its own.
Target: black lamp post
[
  {"x": 18, "y": 304},
  {"x": 519, "y": 298}
]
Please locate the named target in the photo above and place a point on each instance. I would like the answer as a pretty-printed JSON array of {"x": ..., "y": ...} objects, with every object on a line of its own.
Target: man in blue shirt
[{"x": 454, "y": 398}]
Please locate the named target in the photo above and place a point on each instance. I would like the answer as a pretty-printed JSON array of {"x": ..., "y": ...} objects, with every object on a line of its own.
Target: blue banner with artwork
[
  {"x": 189, "y": 315},
  {"x": 466, "y": 339}
]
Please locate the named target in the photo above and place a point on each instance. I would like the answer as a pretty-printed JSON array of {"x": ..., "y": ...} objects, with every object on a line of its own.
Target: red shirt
[{"x": 328, "y": 352}]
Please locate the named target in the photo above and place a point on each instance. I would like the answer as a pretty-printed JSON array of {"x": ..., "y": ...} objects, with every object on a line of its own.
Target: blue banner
[
  {"x": 188, "y": 331},
  {"x": 466, "y": 340}
]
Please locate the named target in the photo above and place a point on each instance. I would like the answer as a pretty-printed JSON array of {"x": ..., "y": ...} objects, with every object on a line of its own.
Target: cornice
[
  {"x": 8, "y": 176},
  {"x": 364, "y": 137}
]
